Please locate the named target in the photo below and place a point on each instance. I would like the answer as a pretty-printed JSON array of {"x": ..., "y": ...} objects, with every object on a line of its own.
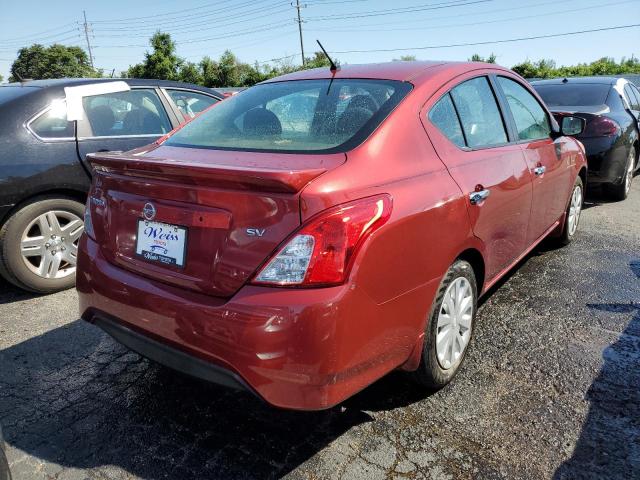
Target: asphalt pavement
[{"x": 550, "y": 389}]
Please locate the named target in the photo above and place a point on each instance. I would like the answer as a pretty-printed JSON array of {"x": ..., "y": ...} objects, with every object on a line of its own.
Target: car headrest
[
  {"x": 261, "y": 122},
  {"x": 101, "y": 119}
]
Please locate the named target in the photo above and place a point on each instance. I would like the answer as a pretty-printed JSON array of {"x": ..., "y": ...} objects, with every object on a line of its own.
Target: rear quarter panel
[{"x": 401, "y": 265}]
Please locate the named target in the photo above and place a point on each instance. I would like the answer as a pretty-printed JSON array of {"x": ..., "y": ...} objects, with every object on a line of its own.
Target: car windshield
[
  {"x": 295, "y": 116},
  {"x": 568, "y": 94},
  {"x": 8, "y": 93}
]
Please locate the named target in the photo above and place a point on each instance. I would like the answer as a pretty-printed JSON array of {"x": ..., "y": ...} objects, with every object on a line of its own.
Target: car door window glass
[
  {"x": 135, "y": 112},
  {"x": 636, "y": 92},
  {"x": 190, "y": 103},
  {"x": 443, "y": 115},
  {"x": 53, "y": 122},
  {"x": 479, "y": 114},
  {"x": 633, "y": 101},
  {"x": 531, "y": 120}
]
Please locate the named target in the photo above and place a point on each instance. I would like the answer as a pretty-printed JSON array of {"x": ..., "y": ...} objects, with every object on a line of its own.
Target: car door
[
  {"x": 189, "y": 102},
  {"x": 550, "y": 168},
  {"x": 470, "y": 136},
  {"x": 634, "y": 101},
  {"x": 121, "y": 121}
]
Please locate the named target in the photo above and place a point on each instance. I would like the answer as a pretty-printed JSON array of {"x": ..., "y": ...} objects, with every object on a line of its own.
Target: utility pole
[
  {"x": 298, "y": 7},
  {"x": 86, "y": 35}
]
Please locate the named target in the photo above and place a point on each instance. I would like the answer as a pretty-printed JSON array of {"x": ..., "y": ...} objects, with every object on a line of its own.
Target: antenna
[
  {"x": 86, "y": 35},
  {"x": 333, "y": 67}
]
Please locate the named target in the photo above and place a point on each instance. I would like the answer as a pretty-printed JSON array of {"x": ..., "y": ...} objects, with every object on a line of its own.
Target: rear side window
[
  {"x": 573, "y": 94},
  {"x": 633, "y": 100},
  {"x": 530, "y": 118},
  {"x": 52, "y": 123},
  {"x": 135, "y": 112},
  {"x": 320, "y": 116},
  {"x": 479, "y": 114},
  {"x": 190, "y": 103},
  {"x": 443, "y": 115}
]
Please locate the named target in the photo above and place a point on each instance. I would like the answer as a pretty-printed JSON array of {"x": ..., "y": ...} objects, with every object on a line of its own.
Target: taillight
[
  {"x": 601, "y": 127},
  {"x": 321, "y": 253},
  {"x": 88, "y": 223}
]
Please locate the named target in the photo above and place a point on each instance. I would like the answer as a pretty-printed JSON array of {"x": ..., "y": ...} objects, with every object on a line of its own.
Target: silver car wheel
[
  {"x": 454, "y": 323},
  {"x": 628, "y": 177},
  {"x": 49, "y": 244},
  {"x": 575, "y": 207}
]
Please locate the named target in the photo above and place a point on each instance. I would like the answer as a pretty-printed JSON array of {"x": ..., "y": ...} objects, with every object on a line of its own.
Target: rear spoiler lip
[{"x": 246, "y": 178}]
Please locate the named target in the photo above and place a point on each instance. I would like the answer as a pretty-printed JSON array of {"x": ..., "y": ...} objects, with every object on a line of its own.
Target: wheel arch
[
  {"x": 476, "y": 260},
  {"x": 71, "y": 193}
]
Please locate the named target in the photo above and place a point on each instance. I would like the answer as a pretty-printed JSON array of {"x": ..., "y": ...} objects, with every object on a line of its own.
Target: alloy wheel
[
  {"x": 454, "y": 323},
  {"x": 575, "y": 208},
  {"x": 49, "y": 244},
  {"x": 628, "y": 177}
]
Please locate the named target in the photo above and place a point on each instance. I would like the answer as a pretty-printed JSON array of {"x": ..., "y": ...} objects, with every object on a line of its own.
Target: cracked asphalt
[{"x": 550, "y": 389}]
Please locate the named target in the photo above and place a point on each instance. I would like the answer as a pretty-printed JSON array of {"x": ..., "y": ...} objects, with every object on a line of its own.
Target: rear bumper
[{"x": 298, "y": 349}]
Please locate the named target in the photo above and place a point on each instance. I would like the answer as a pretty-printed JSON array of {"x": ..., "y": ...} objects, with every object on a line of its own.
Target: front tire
[
  {"x": 39, "y": 242},
  {"x": 621, "y": 192},
  {"x": 449, "y": 328}
]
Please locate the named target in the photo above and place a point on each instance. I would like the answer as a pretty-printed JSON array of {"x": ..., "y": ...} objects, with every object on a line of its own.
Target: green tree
[
  {"x": 603, "y": 66},
  {"x": 161, "y": 63},
  {"x": 405, "y": 58},
  {"x": 190, "y": 73},
  {"x": 477, "y": 58},
  {"x": 56, "y": 61},
  {"x": 1, "y": 78}
]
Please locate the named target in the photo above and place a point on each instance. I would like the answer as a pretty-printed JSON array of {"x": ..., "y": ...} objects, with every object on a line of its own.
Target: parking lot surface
[{"x": 550, "y": 389}]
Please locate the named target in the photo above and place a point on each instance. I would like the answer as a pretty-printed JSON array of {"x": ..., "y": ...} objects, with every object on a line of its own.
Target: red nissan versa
[{"x": 307, "y": 236}]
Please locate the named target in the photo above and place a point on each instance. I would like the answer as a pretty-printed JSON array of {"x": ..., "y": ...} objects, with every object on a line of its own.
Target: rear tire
[
  {"x": 38, "y": 244},
  {"x": 449, "y": 327},
  {"x": 573, "y": 214},
  {"x": 621, "y": 192}
]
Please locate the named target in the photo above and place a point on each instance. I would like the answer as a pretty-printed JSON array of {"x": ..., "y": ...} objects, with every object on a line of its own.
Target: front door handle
[
  {"x": 540, "y": 170},
  {"x": 477, "y": 197}
]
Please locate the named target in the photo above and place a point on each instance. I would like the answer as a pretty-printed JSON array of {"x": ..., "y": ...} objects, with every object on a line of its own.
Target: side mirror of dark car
[{"x": 572, "y": 126}]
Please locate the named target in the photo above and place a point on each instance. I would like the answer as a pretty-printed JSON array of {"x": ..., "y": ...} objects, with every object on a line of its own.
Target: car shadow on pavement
[
  {"x": 609, "y": 443},
  {"x": 10, "y": 293},
  {"x": 74, "y": 398}
]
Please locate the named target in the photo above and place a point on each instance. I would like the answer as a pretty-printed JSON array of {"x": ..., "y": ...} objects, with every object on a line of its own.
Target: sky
[{"x": 356, "y": 30}]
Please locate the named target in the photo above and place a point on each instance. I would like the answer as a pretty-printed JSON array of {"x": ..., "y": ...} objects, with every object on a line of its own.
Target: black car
[
  {"x": 611, "y": 108},
  {"x": 44, "y": 178}
]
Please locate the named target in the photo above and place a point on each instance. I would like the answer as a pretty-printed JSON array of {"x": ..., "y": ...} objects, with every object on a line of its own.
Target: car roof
[
  {"x": 405, "y": 71},
  {"x": 578, "y": 80},
  {"x": 70, "y": 82}
]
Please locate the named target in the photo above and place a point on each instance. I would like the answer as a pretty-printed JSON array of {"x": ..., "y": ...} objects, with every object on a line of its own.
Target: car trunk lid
[{"x": 235, "y": 209}]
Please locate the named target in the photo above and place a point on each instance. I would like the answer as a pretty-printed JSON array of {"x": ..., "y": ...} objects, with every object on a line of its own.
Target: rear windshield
[
  {"x": 573, "y": 94},
  {"x": 295, "y": 116},
  {"x": 10, "y": 92}
]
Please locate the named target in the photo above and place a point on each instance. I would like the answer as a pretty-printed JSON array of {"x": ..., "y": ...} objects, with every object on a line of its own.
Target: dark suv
[{"x": 44, "y": 178}]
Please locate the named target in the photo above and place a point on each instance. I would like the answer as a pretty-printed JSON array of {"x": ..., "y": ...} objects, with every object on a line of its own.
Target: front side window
[
  {"x": 190, "y": 103},
  {"x": 295, "y": 116},
  {"x": 530, "y": 118},
  {"x": 443, "y": 115},
  {"x": 479, "y": 114},
  {"x": 53, "y": 123},
  {"x": 135, "y": 112}
]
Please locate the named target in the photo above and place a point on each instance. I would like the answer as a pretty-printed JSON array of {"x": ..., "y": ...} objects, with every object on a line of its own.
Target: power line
[
  {"x": 490, "y": 42},
  {"x": 468, "y": 24},
  {"x": 397, "y": 11},
  {"x": 34, "y": 35}
]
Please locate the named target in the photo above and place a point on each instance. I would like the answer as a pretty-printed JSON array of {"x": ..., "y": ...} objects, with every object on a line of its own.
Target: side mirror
[{"x": 572, "y": 126}]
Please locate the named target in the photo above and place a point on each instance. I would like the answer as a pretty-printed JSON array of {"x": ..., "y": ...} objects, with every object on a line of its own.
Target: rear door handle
[
  {"x": 539, "y": 170},
  {"x": 477, "y": 197}
]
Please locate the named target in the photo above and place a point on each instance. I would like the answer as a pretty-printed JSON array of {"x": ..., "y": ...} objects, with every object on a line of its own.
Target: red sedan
[{"x": 311, "y": 234}]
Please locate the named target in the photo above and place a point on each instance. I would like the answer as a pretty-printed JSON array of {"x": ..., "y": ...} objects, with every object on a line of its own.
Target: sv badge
[{"x": 255, "y": 232}]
